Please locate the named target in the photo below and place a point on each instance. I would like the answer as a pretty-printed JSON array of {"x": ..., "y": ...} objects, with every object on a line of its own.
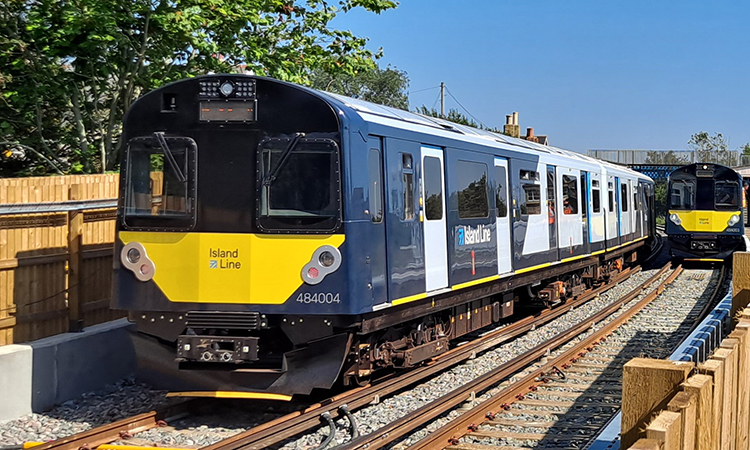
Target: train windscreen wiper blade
[
  {"x": 268, "y": 179},
  {"x": 169, "y": 156}
]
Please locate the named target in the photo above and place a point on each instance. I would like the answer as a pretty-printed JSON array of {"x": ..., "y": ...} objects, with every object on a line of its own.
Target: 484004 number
[{"x": 318, "y": 297}]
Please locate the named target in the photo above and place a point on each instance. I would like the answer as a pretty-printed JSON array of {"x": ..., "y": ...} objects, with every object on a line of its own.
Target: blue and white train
[{"x": 279, "y": 238}]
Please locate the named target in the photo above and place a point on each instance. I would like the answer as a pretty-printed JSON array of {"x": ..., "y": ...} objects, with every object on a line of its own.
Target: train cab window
[
  {"x": 472, "y": 190},
  {"x": 300, "y": 185},
  {"x": 611, "y": 200},
  {"x": 570, "y": 194},
  {"x": 596, "y": 197},
  {"x": 375, "y": 174},
  {"x": 532, "y": 200},
  {"x": 433, "y": 188},
  {"x": 635, "y": 200},
  {"x": 624, "y": 196},
  {"x": 501, "y": 192},
  {"x": 584, "y": 203},
  {"x": 682, "y": 194},
  {"x": 160, "y": 182},
  {"x": 727, "y": 194},
  {"x": 408, "y": 178}
]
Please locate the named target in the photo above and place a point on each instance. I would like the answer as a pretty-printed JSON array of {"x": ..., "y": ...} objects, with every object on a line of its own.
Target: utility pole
[{"x": 442, "y": 100}]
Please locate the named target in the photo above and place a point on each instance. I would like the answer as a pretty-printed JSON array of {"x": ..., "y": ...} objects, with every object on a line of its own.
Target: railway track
[
  {"x": 561, "y": 403},
  {"x": 289, "y": 425}
]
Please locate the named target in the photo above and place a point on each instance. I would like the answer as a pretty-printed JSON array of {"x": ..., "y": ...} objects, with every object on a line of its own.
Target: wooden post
[
  {"x": 740, "y": 333},
  {"x": 744, "y": 326},
  {"x": 740, "y": 282},
  {"x": 730, "y": 361},
  {"x": 685, "y": 403},
  {"x": 715, "y": 369},
  {"x": 646, "y": 444},
  {"x": 75, "y": 259},
  {"x": 647, "y": 386},
  {"x": 666, "y": 429},
  {"x": 732, "y": 345},
  {"x": 702, "y": 387}
]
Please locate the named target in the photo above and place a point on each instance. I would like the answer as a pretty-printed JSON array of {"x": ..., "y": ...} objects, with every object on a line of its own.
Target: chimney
[
  {"x": 530, "y": 135},
  {"x": 511, "y": 125}
]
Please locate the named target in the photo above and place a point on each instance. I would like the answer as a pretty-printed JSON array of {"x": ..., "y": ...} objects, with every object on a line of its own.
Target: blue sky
[{"x": 590, "y": 74}]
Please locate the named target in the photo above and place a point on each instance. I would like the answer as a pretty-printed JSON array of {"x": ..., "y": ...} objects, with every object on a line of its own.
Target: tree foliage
[
  {"x": 711, "y": 149},
  {"x": 668, "y": 158},
  {"x": 69, "y": 69},
  {"x": 382, "y": 86}
]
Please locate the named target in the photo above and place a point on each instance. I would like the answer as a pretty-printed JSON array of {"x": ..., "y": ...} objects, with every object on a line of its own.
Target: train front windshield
[{"x": 704, "y": 194}]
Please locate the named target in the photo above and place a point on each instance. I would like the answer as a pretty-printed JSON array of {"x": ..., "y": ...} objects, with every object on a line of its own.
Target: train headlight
[
  {"x": 133, "y": 255},
  {"x": 324, "y": 261},
  {"x": 733, "y": 220},
  {"x": 675, "y": 219}
]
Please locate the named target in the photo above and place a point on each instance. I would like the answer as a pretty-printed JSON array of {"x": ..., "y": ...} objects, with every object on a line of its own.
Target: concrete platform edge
[{"x": 35, "y": 377}]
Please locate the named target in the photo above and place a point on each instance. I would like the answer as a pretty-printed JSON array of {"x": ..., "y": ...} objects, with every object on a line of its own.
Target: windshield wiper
[
  {"x": 268, "y": 179},
  {"x": 169, "y": 156}
]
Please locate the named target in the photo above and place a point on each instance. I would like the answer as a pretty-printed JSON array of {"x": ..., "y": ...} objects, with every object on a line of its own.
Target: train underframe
[
  {"x": 288, "y": 354},
  {"x": 705, "y": 245}
]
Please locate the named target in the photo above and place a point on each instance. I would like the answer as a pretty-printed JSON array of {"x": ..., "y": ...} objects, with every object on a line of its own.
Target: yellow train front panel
[{"x": 229, "y": 268}]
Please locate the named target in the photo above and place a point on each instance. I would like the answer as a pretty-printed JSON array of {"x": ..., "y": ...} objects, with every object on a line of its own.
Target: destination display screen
[{"x": 228, "y": 111}]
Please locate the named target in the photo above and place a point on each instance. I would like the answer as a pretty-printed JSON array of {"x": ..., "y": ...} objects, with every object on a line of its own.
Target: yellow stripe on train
[
  {"x": 229, "y": 268},
  {"x": 705, "y": 221}
]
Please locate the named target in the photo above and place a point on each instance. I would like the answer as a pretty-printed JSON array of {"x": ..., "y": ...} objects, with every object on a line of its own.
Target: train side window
[
  {"x": 624, "y": 196},
  {"x": 533, "y": 196},
  {"x": 570, "y": 194},
  {"x": 584, "y": 205},
  {"x": 472, "y": 190},
  {"x": 501, "y": 193},
  {"x": 596, "y": 197},
  {"x": 433, "y": 188},
  {"x": 611, "y": 200},
  {"x": 551, "y": 190},
  {"x": 375, "y": 173},
  {"x": 408, "y": 179}
]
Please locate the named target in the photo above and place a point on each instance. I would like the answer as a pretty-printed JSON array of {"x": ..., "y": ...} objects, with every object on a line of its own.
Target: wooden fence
[
  {"x": 680, "y": 405},
  {"x": 55, "y": 267}
]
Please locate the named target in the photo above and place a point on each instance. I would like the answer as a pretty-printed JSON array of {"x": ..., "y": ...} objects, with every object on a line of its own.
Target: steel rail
[
  {"x": 124, "y": 428},
  {"x": 292, "y": 424},
  {"x": 422, "y": 416}
]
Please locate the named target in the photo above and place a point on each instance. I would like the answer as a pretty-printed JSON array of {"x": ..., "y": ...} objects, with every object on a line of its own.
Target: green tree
[
  {"x": 453, "y": 115},
  {"x": 711, "y": 149},
  {"x": 69, "y": 69},
  {"x": 668, "y": 157},
  {"x": 382, "y": 86}
]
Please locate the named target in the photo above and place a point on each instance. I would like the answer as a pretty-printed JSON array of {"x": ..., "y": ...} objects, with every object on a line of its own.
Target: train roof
[{"x": 365, "y": 108}]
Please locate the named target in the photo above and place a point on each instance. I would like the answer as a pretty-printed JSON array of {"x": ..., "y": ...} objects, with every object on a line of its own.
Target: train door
[
  {"x": 434, "y": 222},
  {"x": 530, "y": 223},
  {"x": 376, "y": 238},
  {"x": 613, "y": 229},
  {"x": 552, "y": 206},
  {"x": 597, "y": 213},
  {"x": 585, "y": 210},
  {"x": 570, "y": 236},
  {"x": 625, "y": 211},
  {"x": 502, "y": 221},
  {"x": 635, "y": 189}
]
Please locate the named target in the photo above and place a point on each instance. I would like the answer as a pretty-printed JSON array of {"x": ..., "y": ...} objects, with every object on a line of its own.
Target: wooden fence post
[
  {"x": 740, "y": 283},
  {"x": 75, "y": 259},
  {"x": 685, "y": 403},
  {"x": 730, "y": 362},
  {"x": 701, "y": 386},
  {"x": 647, "y": 386},
  {"x": 715, "y": 369},
  {"x": 666, "y": 429}
]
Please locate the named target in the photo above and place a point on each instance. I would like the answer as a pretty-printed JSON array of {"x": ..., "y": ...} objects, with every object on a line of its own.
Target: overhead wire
[{"x": 464, "y": 108}]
